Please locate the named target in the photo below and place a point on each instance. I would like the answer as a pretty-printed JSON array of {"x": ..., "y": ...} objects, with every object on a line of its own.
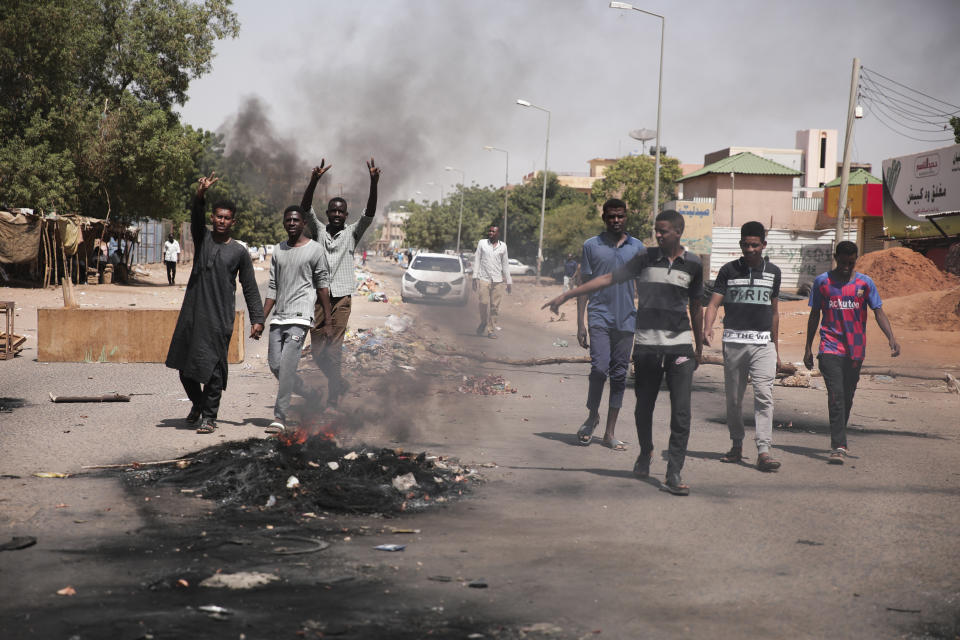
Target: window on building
[{"x": 823, "y": 153}]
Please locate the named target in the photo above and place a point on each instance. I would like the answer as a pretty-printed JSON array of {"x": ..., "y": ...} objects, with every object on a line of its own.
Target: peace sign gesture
[
  {"x": 374, "y": 170},
  {"x": 206, "y": 183},
  {"x": 319, "y": 171}
]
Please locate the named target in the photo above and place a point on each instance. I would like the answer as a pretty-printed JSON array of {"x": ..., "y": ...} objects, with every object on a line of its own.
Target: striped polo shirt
[
  {"x": 664, "y": 292},
  {"x": 747, "y": 297}
]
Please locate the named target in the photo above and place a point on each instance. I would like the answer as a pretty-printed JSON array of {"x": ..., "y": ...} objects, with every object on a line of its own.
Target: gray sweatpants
[
  {"x": 283, "y": 356},
  {"x": 759, "y": 361}
]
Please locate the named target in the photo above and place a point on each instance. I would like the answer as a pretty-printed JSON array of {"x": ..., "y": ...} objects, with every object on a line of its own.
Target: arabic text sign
[
  {"x": 697, "y": 224},
  {"x": 920, "y": 185}
]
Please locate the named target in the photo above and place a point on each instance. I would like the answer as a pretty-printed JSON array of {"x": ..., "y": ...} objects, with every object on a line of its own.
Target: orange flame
[{"x": 301, "y": 434}]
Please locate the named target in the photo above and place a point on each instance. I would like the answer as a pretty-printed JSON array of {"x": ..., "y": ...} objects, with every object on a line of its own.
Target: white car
[
  {"x": 517, "y": 268},
  {"x": 435, "y": 277}
]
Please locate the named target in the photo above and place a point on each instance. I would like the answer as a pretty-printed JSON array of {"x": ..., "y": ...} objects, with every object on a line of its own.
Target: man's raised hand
[
  {"x": 205, "y": 183},
  {"x": 373, "y": 169},
  {"x": 319, "y": 171}
]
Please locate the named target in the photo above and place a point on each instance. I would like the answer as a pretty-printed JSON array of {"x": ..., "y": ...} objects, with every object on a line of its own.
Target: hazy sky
[{"x": 424, "y": 84}]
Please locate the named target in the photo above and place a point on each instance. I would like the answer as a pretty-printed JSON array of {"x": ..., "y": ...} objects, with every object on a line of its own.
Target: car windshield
[{"x": 430, "y": 263}]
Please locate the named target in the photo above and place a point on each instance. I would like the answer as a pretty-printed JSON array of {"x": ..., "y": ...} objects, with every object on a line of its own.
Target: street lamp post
[
  {"x": 663, "y": 29},
  {"x": 463, "y": 185},
  {"x": 543, "y": 199},
  {"x": 506, "y": 182}
]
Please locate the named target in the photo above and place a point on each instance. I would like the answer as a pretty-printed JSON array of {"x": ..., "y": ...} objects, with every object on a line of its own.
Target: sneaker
[
  {"x": 275, "y": 427},
  {"x": 492, "y": 335},
  {"x": 837, "y": 455},
  {"x": 641, "y": 468},
  {"x": 483, "y": 325},
  {"x": 193, "y": 416},
  {"x": 734, "y": 455},
  {"x": 766, "y": 463}
]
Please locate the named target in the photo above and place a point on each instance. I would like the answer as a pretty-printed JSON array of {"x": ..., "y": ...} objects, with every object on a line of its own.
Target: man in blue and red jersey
[{"x": 842, "y": 296}]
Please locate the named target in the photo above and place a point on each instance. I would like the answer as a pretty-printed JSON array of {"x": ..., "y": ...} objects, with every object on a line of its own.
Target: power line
[
  {"x": 915, "y": 90},
  {"x": 938, "y": 128},
  {"x": 920, "y": 107},
  {"x": 884, "y": 123},
  {"x": 902, "y": 107}
]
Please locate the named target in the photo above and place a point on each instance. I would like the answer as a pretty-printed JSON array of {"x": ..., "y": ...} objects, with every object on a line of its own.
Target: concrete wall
[
  {"x": 808, "y": 141},
  {"x": 116, "y": 335}
]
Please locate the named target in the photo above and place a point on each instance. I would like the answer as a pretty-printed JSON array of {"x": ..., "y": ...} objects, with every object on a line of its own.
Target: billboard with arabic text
[{"x": 918, "y": 186}]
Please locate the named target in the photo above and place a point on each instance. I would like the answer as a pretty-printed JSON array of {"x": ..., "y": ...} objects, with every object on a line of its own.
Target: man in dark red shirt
[{"x": 842, "y": 296}]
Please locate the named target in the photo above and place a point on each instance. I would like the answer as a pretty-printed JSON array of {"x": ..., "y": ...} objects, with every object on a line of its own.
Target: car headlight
[
  {"x": 409, "y": 278},
  {"x": 457, "y": 281}
]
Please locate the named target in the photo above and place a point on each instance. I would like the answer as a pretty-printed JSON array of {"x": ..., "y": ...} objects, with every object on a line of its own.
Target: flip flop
[
  {"x": 585, "y": 432},
  {"x": 615, "y": 445},
  {"x": 676, "y": 489}
]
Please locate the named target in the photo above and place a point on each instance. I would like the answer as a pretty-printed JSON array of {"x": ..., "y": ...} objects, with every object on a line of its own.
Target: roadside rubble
[
  {"x": 485, "y": 385},
  {"x": 310, "y": 473}
]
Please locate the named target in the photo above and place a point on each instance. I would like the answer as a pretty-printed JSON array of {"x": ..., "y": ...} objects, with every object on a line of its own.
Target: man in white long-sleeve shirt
[{"x": 491, "y": 271}]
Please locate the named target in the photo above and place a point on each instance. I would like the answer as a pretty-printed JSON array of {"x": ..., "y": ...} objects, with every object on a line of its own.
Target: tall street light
[
  {"x": 663, "y": 28},
  {"x": 506, "y": 182},
  {"x": 543, "y": 200},
  {"x": 463, "y": 181}
]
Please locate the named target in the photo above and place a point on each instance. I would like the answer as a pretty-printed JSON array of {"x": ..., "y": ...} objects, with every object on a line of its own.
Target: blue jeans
[
  {"x": 649, "y": 369},
  {"x": 609, "y": 355},
  {"x": 283, "y": 356}
]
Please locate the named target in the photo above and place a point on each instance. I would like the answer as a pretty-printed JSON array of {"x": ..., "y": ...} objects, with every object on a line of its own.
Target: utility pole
[{"x": 842, "y": 209}]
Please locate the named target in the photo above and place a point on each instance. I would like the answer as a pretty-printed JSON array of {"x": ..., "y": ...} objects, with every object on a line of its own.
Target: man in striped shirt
[
  {"x": 669, "y": 284},
  {"x": 748, "y": 288},
  {"x": 842, "y": 296},
  {"x": 298, "y": 281},
  {"x": 340, "y": 240}
]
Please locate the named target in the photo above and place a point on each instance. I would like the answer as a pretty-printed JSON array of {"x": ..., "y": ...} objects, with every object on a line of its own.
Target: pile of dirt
[
  {"x": 901, "y": 272},
  {"x": 929, "y": 311},
  {"x": 313, "y": 475}
]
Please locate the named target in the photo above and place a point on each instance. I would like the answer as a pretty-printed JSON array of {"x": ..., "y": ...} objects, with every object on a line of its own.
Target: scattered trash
[
  {"x": 51, "y": 474},
  {"x": 812, "y": 543},
  {"x": 390, "y": 547},
  {"x": 477, "y": 584},
  {"x": 398, "y": 324},
  {"x": 882, "y": 378},
  {"x": 485, "y": 385},
  {"x": 315, "y": 545},
  {"x": 183, "y": 583},
  {"x": 67, "y": 591},
  {"x": 292, "y": 482},
  {"x": 560, "y": 343},
  {"x": 404, "y": 483},
  {"x": 546, "y": 628},
  {"x": 271, "y": 501},
  {"x": 18, "y": 542},
  {"x": 378, "y": 297},
  {"x": 212, "y": 608},
  {"x": 897, "y": 610},
  {"x": 241, "y": 580},
  {"x": 404, "y": 530},
  {"x": 333, "y": 465},
  {"x": 440, "y": 578},
  {"x": 351, "y": 456}
]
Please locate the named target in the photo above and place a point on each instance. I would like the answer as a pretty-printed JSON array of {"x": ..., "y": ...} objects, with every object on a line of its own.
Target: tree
[
  {"x": 568, "y": 226},
  {"x": 524, "y": 214},
  {"x": 631, "y": 179},
  {"x": 86, "y": 120},
  {"x": 955, "y": 123}
]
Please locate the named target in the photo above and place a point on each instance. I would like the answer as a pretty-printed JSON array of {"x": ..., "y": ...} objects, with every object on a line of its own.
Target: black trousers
[
  {"x": 841, "y": 376},
  {"x": 649, "y": 370},
  {"x": 171, "y": 270},
  {"x": 206, "y": 396}
]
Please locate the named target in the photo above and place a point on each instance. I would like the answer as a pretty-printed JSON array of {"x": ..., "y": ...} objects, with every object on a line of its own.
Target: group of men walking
[
  {"x": 649, "y": 302},
  {"x": 309, "y": 290}
]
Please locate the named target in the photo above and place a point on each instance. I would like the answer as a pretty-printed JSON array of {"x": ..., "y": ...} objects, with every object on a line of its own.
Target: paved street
[{"x": 568, "y": 542}]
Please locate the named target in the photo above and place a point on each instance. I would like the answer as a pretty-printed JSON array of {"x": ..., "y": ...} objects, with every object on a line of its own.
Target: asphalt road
[{"x": 563, "y": 535}]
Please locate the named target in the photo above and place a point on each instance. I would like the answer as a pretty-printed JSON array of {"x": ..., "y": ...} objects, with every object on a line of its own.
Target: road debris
[
  {"x": 51, "y": 474},
  {"x": 404, "y": 483},
  {"x": 241, "y": 580},
  {"x": 390, "y": 547},
  {"x": 485, "y": 385},
  {"x": 110, "y": 397},
  {"x": 18, "y": 542},
  {"x": 67, "y": 591}
]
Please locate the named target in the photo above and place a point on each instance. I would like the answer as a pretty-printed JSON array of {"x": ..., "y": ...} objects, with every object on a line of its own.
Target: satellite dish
[{"x": 643, "y": 135}]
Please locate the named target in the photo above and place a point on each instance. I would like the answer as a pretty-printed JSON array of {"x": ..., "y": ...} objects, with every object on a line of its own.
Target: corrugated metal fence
[
  {"x": 149, "y": 247},
  {"x": 801, "y": 255}
]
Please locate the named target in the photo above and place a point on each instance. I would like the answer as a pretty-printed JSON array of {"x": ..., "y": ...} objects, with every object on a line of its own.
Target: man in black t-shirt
[{"x": 748, "y": 288}]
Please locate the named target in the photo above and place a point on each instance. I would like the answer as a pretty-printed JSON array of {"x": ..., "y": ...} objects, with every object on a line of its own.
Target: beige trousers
[{"x": 490, "y": 295}]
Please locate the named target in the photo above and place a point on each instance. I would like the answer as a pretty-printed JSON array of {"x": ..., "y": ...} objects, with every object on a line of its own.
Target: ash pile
[{"x": 301, "y": 474}]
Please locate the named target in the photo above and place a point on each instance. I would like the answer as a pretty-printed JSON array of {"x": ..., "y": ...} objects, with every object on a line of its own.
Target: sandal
[
  {"x": 615, "y": 445},
  {"x": 207, "y": 426},
  {"x": 734, "y": 455},
  {"x": 585, "y": 432},
  {"x": 678, "y": 489}
]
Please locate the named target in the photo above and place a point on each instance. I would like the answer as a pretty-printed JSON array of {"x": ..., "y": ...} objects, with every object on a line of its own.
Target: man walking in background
[
  {"x": 200, "y": 340},
  {"x": 842, "y": 297},
  {"x": 748, "y": 288},
  {"x": 298, "y": 282},
  {"x": 171, "y": 252},
  {"x": 340, "y": 240},
  {"x": 491, "y": 272},
  {"x": 569, "y": 272},
  {"x": 612, "y": 315}
]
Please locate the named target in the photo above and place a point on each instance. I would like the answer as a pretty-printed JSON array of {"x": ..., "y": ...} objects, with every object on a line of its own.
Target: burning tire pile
[{"x": 304, "y": 473}]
